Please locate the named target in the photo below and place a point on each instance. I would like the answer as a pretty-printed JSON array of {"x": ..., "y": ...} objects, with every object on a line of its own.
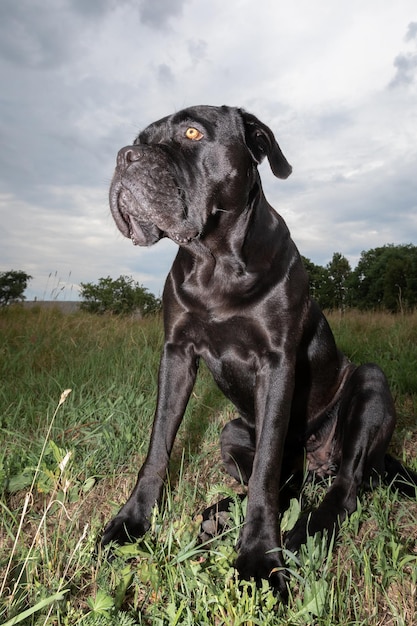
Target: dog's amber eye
[{"x": 193, "y": 134}]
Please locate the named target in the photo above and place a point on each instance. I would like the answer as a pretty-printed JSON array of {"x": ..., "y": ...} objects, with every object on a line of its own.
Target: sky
[{"x": 335, "y": 81}]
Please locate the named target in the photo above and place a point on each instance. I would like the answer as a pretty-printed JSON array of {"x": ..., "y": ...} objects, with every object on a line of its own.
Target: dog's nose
[{"x": 127, "y": 155}]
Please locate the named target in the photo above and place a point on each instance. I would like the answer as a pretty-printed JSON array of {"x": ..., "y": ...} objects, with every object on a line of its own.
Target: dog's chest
[
  {"x": 232, "y": 352},
  {"x": 232, "y": 347}
]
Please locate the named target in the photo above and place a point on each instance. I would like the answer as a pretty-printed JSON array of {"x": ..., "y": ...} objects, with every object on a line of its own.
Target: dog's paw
[
  {"x": 295, "y": 537},
  {"x": 123, "y": 529},
  {"x": 259, "y": 565},
  {"x": 310, "y": 525}
]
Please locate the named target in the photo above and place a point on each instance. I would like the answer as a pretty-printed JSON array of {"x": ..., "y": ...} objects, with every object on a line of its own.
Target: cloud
[
  {"x": 406, "y": 62},
  {"x": 406, "y": 65},
  {"x": 158, "y": 14},
  {"x": 30, "y": 36},
  {"x": 80, "y": 79},
  {"x": 165, "y": 75},
  {"x": 411, "y": 31},
  {"x": 44, "y": 34},
  {"x": 198, "y": 49}
]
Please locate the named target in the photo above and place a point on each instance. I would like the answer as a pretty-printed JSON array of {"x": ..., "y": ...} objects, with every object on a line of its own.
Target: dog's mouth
[
  {"x": 135, "y": 222},
  {"x": 132, "y": 220},
  {"x": 142, "y": 233}
]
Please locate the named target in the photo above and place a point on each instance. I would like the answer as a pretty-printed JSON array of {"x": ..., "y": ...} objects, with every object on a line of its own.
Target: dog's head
[{"x": 186, "y": 168}]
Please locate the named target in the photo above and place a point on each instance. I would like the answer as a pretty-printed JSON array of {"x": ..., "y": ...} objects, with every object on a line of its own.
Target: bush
[
  {"x": 120, "y": 296},
  {"x": 12, "y": 286}
]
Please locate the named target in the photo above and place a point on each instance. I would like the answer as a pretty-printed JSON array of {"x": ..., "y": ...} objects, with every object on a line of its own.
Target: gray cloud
[
  {"x": 411, "y": 31},
  {"x": 198, "y": 49},
  {"x": 80, "y": 79},
  {"x": 158, "y": 14},
  {"x": 406, "y": 63},
  {"x": 406, "y": 66},
  {"x": 165, "y": 74},
  {"x": 37, "y": 35},
  {"x": 94, "y": 9}
]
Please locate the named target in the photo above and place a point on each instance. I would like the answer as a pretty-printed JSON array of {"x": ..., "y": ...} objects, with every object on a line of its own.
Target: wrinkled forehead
[{"x": 210, "y": 120}]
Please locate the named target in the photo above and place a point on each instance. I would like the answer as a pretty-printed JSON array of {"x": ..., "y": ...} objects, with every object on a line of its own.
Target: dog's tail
[{"x": 399, "y": 477}]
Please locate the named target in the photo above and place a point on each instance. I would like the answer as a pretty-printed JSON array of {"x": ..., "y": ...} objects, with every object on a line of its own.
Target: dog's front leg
[
  {"x": 177, "y": 375},
  {"x": 259, "y": 544}
]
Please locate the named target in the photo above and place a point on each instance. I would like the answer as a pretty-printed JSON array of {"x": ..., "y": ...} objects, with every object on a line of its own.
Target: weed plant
[{"x": 68, "y": 460}]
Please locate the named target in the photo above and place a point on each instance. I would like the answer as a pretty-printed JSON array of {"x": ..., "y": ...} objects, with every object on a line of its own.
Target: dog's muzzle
[
  {"x": 132, "y": 221},
  {"x": 146, "y": 201}
]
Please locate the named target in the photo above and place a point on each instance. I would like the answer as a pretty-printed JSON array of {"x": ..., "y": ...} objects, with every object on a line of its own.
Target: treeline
[{"x": 384, "y": 279}]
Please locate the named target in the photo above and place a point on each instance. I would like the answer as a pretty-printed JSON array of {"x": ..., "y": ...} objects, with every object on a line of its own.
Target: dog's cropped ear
[{"x": 261, "y": 143}]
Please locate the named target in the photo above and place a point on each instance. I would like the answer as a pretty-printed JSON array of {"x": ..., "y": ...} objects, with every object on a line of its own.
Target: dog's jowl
[{"x": 237, "y": 296}]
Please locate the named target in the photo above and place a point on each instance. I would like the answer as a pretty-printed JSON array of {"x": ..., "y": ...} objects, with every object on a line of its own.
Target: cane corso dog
[{"x": 237, "y": 296}]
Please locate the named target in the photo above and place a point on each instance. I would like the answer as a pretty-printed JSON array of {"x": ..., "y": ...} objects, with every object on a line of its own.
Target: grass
[{"x": 69, "y": 459}]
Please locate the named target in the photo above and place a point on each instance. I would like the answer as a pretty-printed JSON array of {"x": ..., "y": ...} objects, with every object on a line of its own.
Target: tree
[
  {"x": 318, "y": 277},
  {"x": 120, "y": 296},
  {"x": 386, "y": 277},
  {"x": 338, "y": 272},
  {"x": 328, "y": 285},
  {"x": 12, "y": 286}
]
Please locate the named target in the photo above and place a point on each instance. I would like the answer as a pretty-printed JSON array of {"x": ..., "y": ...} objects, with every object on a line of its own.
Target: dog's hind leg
[
  {"x": 237, "y": 449},
  {"x": 399, "y": 477},
  {"x": 365, "y": 423}
]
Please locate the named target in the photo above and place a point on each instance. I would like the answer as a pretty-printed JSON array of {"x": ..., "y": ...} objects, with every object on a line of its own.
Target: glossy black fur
[{"x": 237, "y": 296}]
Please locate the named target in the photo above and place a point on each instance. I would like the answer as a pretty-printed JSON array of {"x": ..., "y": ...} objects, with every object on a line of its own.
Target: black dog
[{"x": 237, "y": 296}]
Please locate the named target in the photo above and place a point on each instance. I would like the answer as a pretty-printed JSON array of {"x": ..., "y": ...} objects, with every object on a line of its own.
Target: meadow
[{"x": 77, "y": 398}]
